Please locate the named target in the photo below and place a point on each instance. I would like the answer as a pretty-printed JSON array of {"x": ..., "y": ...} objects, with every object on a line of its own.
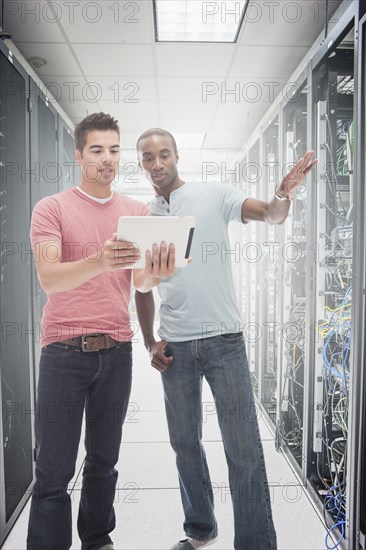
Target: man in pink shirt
[{"x": 86, "y": 357}]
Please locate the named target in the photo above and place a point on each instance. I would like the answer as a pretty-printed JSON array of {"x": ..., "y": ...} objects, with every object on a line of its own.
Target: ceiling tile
[
  {"x": 111, "y": 21},
  {"x": 263, "y": 62},
  {"x": 176, "y": 124},
  {"x": 283, "y": 23},
  {"x": 193, "y": 60},
  {"x": 116, "y": 60},
  {"x": 186, "y": 88},
  {"x": 187, "y": 109},
  {"x": 137, "y": 110}
]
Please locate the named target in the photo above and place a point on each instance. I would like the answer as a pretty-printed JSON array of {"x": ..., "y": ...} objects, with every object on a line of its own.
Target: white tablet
[{"x": 147, "y": 230}]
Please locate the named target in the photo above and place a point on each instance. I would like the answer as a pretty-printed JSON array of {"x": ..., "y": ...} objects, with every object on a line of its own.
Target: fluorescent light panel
[{"x": 196, "y": 21}]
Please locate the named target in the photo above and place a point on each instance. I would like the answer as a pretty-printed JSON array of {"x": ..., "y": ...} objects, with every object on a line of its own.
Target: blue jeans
[
  {"x": 222, "y": 360},
  {"x": 70, "y": 381}
]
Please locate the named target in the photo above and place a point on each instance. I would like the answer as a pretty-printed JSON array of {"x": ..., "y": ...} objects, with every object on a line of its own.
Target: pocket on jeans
[
  {"x": 56, "y": 349},
  {"x": 231, "y": 337}
]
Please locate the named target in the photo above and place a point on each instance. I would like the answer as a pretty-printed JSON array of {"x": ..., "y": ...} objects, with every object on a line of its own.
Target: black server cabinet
[
  {"x": 53, "y": 169},
  {"x": 290, "y": 421},
  {"x": 45, "y": 174},
  {"x": 16, "y": 454},
  {"x": 356, "y": 472},
  {"x": 334, "y": 139}
]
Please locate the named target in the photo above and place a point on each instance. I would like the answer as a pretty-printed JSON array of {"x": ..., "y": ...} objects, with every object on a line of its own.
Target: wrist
[
  {"x": 149, "y": 342},
  {"x": 280, "y": 196}
]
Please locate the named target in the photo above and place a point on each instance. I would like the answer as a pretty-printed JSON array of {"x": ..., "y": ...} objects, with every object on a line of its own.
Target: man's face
[
  {"x": 100, "y": 157},
  {"x": 158, "y": 159}
]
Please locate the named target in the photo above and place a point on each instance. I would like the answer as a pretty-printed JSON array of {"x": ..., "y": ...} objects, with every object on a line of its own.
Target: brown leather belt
[{"x": 92, "y": 342}]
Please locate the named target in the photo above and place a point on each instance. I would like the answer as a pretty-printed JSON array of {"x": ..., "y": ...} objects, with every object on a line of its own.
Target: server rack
[
  {"x": 320, "y": 353},
  {"x": 36, "y": 159},
  {"x": 333, "y": 119},
  {"x": 251, "y": 256},
  {"x": 242, "y": 236},
  {"x": 356, "y": 471},
  {"x": 291, "y": 413},
  {"x": 16, "y": 385},
  {"x": 270, "y": 273},
  {"x": 44, "y": 177},
  {"x": 52, "y": 168}
]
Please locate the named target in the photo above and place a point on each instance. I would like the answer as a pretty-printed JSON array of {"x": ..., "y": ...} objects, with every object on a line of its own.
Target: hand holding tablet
[{"x": 147, "y": 231}]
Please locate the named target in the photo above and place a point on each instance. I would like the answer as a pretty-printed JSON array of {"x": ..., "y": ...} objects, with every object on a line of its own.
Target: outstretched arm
[{"x": 276, "y": 210}]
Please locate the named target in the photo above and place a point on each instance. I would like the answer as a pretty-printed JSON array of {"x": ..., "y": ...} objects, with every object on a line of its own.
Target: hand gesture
[
  {"x": 159, "y": 360},
  {"x": 296, "y": 176}
]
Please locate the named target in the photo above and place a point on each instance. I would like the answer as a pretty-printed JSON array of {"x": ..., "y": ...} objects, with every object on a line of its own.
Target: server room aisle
[{"x": 149, "y": 515}]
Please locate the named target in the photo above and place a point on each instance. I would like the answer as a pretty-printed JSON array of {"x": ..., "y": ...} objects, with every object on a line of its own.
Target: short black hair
[
  {"x": 157, "y": 132},
  {"x": 95, "y": 121}
]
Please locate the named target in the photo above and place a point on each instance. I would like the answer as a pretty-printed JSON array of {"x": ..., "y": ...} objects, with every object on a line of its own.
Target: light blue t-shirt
[{"x": 199, "y": 300}]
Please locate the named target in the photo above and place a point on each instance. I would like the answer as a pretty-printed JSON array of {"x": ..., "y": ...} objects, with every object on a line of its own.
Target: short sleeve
[
  {"x": 145, "y": 211},
  {"x": 45, "y": 224},
  {"x": 230, "y": 201}
]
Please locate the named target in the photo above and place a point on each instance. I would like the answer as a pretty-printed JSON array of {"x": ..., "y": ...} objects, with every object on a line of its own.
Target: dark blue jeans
[
  {"x": 223, "y": 362},
  {"x": 71, "y": 381}
]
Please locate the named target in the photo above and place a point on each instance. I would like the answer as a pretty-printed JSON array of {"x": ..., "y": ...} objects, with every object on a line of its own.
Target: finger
[
  {"x": 166, "y": 359},
  {"x": 155, "y": 260},
  {"x": 123, "y": 245},
  {"x": 297, "y": 172},
  {"x": 307, "y": 170},
  {"x": 307, "y": 159},
  {"x": 160, "y": 365},
  {"x": 148, "y": 266},
  {"x": 163, "y": 257},
  {"x": 120, "y": 254},
  {"x": 125, "y": 252},
  {"x": 171, "y": 260},
  {"x": 125, "y": 262}
]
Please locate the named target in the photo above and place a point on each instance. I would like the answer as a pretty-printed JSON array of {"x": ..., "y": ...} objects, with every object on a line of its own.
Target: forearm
[
  {"x": 277, "y": 211},
  {"x": 145, "y": 308},
  {"x": 63, "y": 276},
  {"x": 273, "y": 212}
]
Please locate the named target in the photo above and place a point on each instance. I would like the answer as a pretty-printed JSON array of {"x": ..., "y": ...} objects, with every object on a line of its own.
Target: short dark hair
[
  {"x": 95, "y": 121},
  {"x": 157, "y": 132}
]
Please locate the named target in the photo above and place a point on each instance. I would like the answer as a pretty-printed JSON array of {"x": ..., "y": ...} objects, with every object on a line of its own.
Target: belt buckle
[{"x": 84, "y": 343}]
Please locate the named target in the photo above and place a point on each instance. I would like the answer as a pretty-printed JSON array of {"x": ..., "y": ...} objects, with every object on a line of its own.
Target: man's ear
[
  {"x": 177, "y": 156},
  {"x": 78, "y": 155},
  {"x": 139, "y": 164}
]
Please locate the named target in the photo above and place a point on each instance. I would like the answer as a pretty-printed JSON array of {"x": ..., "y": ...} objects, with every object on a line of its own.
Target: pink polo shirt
[{"x": 82, "y": 226}]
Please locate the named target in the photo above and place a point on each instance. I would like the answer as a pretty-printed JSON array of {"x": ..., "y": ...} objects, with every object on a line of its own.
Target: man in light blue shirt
[{"x": 201, "y": 337}]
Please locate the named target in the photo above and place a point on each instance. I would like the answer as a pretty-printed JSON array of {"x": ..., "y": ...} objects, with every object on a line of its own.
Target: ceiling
[{"x": 102, "y": 56}]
